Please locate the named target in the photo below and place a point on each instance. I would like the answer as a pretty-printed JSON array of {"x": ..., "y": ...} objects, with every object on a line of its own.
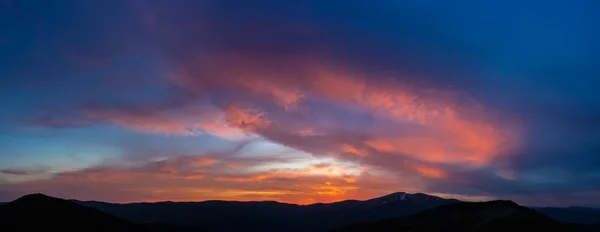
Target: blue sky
[{"x": 301, "y": 102}]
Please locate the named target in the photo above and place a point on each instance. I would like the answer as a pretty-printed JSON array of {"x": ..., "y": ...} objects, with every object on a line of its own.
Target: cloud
[
  {"x": 24, "y": 171},
  {"x": 311, "y": 101},
  {"x": 231, "y": 177},
  {"x": 428, "y": 125},
  {"x": 23, "y": 174},
  {"x": 389, "y": 126},
  {"x": 400, "y": 88},
  {"x": 187, "y": 122}
]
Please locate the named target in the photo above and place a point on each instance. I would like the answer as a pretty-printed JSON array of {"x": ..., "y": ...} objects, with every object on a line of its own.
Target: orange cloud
[
  {"x": 202, "y": 161},
  {"x": 285, "y": 96},
  {"x": 427, "y": 171},
  {"x": 445, "y": 135},
  {"x": 450, "y": 131},
  {"x": 444, "y": 130},
  {"x": 199, "y": 178},
  {"x": 350, "y": 180},
  {"x": 306, "y": 132},
  {"x": 350, "y": 149},
  {"x": 189, "y": 123},
  {"x": 245, "y": 118},
  {"x": 322, "y": 109}
]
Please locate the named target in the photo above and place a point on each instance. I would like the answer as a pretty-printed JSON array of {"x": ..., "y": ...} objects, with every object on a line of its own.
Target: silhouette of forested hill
[
  {"x": 272, "y": 216},
  {"x": 40, "y": 212},
  {"x": 489, "y": 216}
]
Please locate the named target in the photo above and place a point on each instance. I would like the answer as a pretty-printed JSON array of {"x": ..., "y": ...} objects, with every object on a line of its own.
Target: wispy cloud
[
  {"x": 413, "y": 97},
  {"x": 25, "y": 171}
]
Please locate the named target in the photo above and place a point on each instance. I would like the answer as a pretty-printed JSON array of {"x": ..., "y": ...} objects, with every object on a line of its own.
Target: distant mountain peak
[
  {"x": 396, "y": 195},
  {"x": 35, "y": 197}
]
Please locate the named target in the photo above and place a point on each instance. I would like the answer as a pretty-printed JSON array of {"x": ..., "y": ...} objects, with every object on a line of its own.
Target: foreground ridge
[{"x": 497, "y": 215}]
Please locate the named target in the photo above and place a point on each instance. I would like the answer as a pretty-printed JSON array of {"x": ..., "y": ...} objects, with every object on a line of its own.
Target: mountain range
[
  {"x": 397, "y": 212},
  {"x": 273, "y": 216}
]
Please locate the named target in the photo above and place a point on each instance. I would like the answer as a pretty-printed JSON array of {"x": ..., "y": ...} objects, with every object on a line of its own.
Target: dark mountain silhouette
[
  {"x": 579, "y": 215},
  {"x": 393, "y": 205},
  {"x": 40, "y": 212},
  {"x": 472, "y": 217},
  {"x": 398, "y": 212},
  {"x": 272, "y": 216}
]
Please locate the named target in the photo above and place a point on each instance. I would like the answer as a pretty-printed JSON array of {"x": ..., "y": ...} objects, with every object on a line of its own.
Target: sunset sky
[{"x": 300, "y": 101}]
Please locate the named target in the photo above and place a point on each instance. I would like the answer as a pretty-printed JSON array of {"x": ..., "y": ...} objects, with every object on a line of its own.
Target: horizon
[
  {"x": 300, "y": 102},
  {"x": 291, "y": 203},
  {"x": 73, "y": 199}
]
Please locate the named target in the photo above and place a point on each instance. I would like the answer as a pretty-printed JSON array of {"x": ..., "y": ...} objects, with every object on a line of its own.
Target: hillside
[
  {"x": 40, "y": 212},
  {"x": 471, "y": 217},
  {"x": 37, "y": 211}
]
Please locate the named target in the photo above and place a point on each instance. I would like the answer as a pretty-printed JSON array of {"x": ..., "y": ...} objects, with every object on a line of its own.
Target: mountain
[
  {"x": 36, "y": 211},
  {"x": 40, "y": 212},
  {"x": 272, "y": 216},
  {"x": 472, "y": 217},
  {"x": 393, "y": 205},
  {"x": 579, "y": 215},
  {"x": 398, "y": 212}
]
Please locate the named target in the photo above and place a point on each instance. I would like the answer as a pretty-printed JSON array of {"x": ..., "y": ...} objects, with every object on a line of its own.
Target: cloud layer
[{"x": 375, "y": 98}]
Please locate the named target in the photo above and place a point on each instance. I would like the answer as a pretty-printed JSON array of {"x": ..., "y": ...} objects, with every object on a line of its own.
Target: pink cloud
[
  {"x": 192, "y": 122},
  {"x": 316, "y": 106},
  {"x": 418, "y": 129},
  {"x": 449, "y": 131}
]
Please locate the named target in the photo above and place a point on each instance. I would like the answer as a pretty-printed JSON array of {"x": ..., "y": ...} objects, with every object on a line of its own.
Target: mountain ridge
[
  {"x": 264, "y": 201},
  {"x": 37, "y": 211},
  {"x": 282, "y": 216},
  {"x": 218, "y": 215}
]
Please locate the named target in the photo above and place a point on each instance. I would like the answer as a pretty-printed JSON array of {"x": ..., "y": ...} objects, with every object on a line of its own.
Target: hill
[
  {"x": 471, "y": 217},
  {"x": 40, "y": 212},
  {"x": 37, "y": 211}
]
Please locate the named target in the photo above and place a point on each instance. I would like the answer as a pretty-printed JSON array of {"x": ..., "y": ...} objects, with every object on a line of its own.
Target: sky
[{"x": 300, "y": 101}]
